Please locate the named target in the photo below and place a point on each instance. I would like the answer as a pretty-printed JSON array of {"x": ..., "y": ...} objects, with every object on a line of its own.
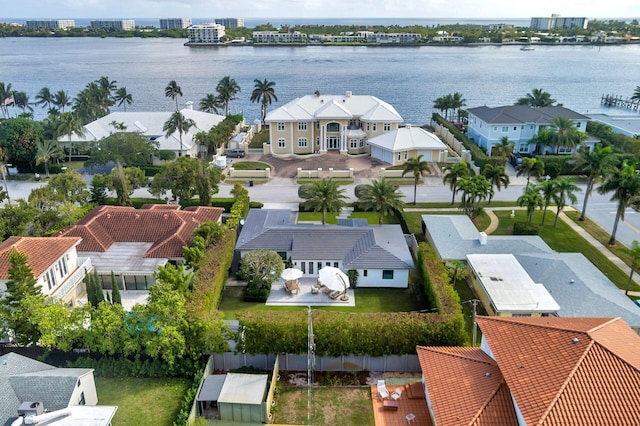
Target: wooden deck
[{"x": 412, "y": 400}]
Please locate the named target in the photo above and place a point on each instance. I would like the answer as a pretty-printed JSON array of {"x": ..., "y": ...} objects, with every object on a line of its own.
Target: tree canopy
[{"x": 185, "y": 178}]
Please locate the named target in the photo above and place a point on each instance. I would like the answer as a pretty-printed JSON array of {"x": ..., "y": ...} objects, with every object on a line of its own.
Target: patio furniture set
[{"x": 390, "y": 400}]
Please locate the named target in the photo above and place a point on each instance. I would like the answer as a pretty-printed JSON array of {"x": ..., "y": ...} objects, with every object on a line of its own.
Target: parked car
[
  {"x": 516, "y": 159},
  {"x": 234, "y": 153}
]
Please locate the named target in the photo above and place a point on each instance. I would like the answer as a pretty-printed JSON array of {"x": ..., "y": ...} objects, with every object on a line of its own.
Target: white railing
[{"x": 84, "y": 268}]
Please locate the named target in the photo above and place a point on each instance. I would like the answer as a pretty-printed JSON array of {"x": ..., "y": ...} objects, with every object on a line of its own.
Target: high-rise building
[
  {"x": 175, "y": 23},
  {"x": 206, "y": 33},
  {"x": 52, "y": 24},
  {"x": 230, "y": 22},
  {"x": 122, "y": 24},
  {"x": 556, "y": 22}
]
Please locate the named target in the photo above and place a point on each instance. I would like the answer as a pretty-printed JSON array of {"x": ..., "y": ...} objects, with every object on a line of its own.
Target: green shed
[{"x": 243, "y": 398}]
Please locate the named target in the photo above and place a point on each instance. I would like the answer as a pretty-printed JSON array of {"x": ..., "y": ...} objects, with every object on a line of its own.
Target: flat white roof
[
  {"x": 242, "y": 388},
  {"x": 509, "y": 286}
]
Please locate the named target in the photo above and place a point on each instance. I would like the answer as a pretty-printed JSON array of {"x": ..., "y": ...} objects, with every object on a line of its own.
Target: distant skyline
[{"x": 130, "y": 9}]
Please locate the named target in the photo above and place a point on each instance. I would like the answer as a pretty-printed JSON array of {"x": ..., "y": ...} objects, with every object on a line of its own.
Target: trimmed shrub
[
  {"x": 149, "y": 170},
  {"x": 524, "y": 228}
]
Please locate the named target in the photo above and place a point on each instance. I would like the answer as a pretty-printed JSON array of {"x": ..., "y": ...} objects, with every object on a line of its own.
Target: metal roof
[
  {"x": 240, "y": 388},
  {"x": 212, "y": 387}
]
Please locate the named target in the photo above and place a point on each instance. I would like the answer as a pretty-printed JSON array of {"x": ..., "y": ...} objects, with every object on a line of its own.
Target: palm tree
[
  {"x": 178, "y": 123},
  {"x": 265, "y": 93},
  {"x": 123, "y": 98},
  {"x": 475, "y": 189},
  {"x": 61, "y": 100},
  {"x": 21, "y": 100},
  {"x": 634, "y": 252},
  {"x": 624, "y": 182},
  {"x": 547, "y": 189},
  {"x": 503, "y": 149},
  {"x": 565, "y": 191},
  {"x": 530, "y": 167},
  {"x": 107, "y": 85},
  {"x": 69, "y": 124},
  {"x": 44, "y": 98},
  {"x": 538, "y": 98},
  {"x": 636, "y": 94},
  {"x": 47, "y": 150},
  {"x": 381, "y": 196},
  {"x": 442, "y": 105},
  {"x": 497, "y": 176},
  {"x": 457, "y": 101},
  {"x": 595, "y": 163},
  {"x": 564, "y": 133},
  {"x": 5, "y": 93},
  {"x": 530, "y": 199},
  {"x": 323, "y": 196},
  {"x": 173, "y": 91},
  {"x": 210, "y": 103},
  {"x": 452, "y": 176},
  {"x": 541, "y": 139},
  {"x": 416, "y": 166},
  {"x": 227, "y": 89}
]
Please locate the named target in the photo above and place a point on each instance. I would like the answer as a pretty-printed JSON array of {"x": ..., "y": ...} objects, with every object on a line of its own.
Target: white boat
[{"x": 528, "y": 47}]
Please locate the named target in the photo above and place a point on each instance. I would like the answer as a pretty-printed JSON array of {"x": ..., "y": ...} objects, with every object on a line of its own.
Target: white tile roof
[
  {"x": 150, "y": 124},
  {"x": 310, "y": 107},
  {"x": 408, "y": 138}
]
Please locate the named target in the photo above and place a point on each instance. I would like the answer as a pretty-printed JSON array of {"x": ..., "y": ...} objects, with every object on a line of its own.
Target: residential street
[{"x": 285, "y": 190}]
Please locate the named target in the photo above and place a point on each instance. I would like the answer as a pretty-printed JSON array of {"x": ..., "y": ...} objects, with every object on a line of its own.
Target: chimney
[
  {"x": 408, "y": 126},
  {"x": 483, "y": 239},
  {"x": 190, "y": 105},
  {"x": 348, "y": 94}
]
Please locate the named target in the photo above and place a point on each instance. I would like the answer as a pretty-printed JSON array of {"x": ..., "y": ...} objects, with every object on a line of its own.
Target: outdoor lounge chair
[
  {"x": 383, "y": 393},
  {"x": 292, "y": 287}
]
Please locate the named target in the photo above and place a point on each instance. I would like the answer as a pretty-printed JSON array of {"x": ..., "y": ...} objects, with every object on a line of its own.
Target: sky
[{"x": 317, "y": 8}]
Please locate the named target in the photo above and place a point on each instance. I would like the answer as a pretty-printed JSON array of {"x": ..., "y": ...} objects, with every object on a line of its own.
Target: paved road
[{"x": 282, "y": 190}]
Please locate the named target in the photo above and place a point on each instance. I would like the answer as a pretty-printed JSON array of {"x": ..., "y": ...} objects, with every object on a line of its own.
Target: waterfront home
[
  {"x": 149, "y": 125},
  {"x": 487, "y": 126},
  {"x": 54, "y": 262},
  {"x": 397, "y": 146},
  {"x": 378, "y": 252},
  {"x": 319, "y": 123},
  {"x": 522, "y": 275},
  {"x": 132, "y": 243},
  {"x": 536, "y": 371}
]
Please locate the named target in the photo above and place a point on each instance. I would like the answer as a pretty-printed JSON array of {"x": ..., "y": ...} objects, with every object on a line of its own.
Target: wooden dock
[{"x": 620, "y": 102}]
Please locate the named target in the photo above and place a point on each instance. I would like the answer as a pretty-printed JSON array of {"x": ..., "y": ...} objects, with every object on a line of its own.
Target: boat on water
[{"x": 527, "y": 47}]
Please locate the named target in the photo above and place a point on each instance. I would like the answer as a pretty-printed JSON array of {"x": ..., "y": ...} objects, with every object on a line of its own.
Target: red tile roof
[
  {"x": 568, "y": 371},
  {"x": 41, "y": 252},
  {"x": 465, "y": 387},
  {"x": 168, "y": 229}
]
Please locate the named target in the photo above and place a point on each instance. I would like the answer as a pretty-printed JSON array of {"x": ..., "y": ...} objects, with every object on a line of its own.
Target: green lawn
[
  {"x": 249, "y": 165},
  {"x": 372, "y": 217},
  {"x": 259, "y": 138},
  {"x": 565, "y": 239},
  {"x": 339, "y": 406},
  {"x": 367, "y": 300},
  {"x": 142, "y": 401}
]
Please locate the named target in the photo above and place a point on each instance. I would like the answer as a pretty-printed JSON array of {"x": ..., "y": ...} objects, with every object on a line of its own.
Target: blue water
[{"x": 409, "y": 78}]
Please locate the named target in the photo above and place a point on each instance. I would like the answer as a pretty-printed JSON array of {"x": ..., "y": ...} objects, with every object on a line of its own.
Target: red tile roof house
[
  {"x": 134, "y": 242},
  {"x": 55, "y": 264},
  {"x": 537, "y": 371}
]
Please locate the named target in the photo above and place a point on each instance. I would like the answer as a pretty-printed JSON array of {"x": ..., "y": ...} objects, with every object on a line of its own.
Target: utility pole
[{"x": 474, "y": 303}]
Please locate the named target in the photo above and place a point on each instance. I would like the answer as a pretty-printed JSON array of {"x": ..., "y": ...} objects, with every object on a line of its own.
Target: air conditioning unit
[{"x": 31, "y": 408}]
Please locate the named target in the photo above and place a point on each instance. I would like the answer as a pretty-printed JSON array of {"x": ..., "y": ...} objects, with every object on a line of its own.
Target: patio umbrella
[
  {"x": 333, "y": 278},
  {"x": 290, "y": 274}
]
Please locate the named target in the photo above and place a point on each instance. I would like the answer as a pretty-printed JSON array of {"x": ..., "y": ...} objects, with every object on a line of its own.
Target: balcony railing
[{"x": 84, "y": 268}]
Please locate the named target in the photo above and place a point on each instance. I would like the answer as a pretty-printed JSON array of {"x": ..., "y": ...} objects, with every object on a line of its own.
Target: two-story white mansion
[
  {"x": 520, "y": 124},
  {"x": 320, "y": 123}
]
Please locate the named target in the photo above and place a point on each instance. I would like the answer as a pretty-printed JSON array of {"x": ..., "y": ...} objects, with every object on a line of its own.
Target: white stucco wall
[{"x": 88, "y": 387}]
